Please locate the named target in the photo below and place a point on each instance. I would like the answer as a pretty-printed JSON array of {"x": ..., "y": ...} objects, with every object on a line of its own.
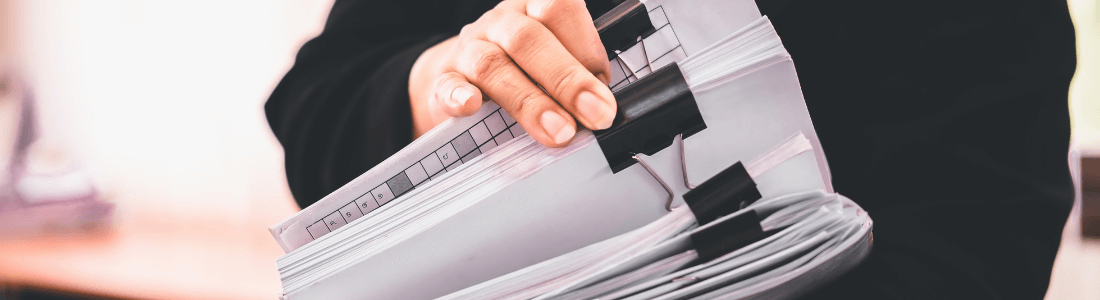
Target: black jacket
[{"x": 946, "y": 120}]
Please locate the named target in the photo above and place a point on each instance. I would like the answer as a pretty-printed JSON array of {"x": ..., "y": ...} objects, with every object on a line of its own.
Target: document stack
[{"x": 710, "y": 183}]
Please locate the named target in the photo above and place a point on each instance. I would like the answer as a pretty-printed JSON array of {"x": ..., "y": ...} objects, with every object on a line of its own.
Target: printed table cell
[
  {"x": 399, "y": 184},
  {"x": 659, "y": 44},
  {"x": 366, "y": 203},
  {"x": 488, "y": 145},
  {"x": 507, "y": 118},
  {"x": 635, "y": 60},
  {"x": 334, "y": 221},
  {"x": 432, "y": 164},
  {"x": 417, "y": 173},
  {"x": 471, "y": 156},
  {"x": 495, "y": 123},
  {"x": 677, "y": 54},
  {"x": 503, "y": 137},
  {"x": 382, "y": 194},
  {"x": 454, "y": 166},
  {"x": 350, "y": 212},
  {"x": 480, "y": 133},
  {"x": 463, "y": 144},
  {"x": 618, "y": 74},
  {"x": 437, "y": 175},
  {"x": 517, "y": 131},
  {"x": 447, "y": 154},
  {"x": 657, "y": 17},
  {"x": 317, "y": 229}
]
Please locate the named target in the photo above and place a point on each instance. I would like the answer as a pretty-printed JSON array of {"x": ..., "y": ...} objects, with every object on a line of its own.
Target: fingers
[
  {"x": 487, "y": 66},
  {"x": 571, "y": 23},
  {"x": 536, "y": 59},
  {"x": 455, "y": 96},
  {"x": 543, "y": 57}
]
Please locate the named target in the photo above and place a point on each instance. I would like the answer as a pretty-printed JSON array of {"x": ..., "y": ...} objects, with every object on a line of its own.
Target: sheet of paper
[
  {"x": 577, "y": 201},
  {"x": 436, "y": 153},
  {"x": 459, "y": 140}
]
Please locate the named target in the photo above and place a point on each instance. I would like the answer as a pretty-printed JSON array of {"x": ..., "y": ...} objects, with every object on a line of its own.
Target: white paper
[{"x": 431, "y": 155}]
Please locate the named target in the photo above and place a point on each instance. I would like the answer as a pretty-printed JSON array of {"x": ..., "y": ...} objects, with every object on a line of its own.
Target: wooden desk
[{"x": 149, "y": 258}]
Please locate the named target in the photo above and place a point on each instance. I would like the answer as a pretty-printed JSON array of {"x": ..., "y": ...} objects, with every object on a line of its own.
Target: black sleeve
[{"x": 344, "y": 105}]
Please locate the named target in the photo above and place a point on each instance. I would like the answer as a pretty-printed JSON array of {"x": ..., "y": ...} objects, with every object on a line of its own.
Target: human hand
[{"x": 503, "y": 55}]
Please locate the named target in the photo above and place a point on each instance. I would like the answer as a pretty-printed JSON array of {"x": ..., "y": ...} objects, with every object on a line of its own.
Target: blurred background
[{"x": 159, "y": 104}]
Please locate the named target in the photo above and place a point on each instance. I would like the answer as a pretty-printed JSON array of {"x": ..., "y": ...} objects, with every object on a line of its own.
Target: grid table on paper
[
  {"x": 495, "y": 129},
  {"x": 653, "y": 52},
  {"x": 657, "y": 50}
]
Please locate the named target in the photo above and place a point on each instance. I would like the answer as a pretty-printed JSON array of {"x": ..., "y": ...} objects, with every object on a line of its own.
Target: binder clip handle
[
  {"x": 623, "y": 26},
  {"x": 651, "y": 113},
  {"x": 671, "y": 195}
]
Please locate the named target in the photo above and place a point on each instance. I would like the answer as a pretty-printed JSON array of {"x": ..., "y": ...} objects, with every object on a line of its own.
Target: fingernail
[
  {"x": 595, "y": 110},
  {"x": 460, "y": 95},
  {"x": 556, "y": 126}
]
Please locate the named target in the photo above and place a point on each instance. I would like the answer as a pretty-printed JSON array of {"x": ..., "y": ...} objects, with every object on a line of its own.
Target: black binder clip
[
  {"x": 652, "y": 113},
  {"x": 727, "y": 236},
  {"x": 729, "y": 191},
  {"x": 623, "y": 26}
]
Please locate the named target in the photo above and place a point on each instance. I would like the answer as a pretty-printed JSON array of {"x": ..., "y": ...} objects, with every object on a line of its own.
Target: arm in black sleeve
[{"x": 344, "y": 105}]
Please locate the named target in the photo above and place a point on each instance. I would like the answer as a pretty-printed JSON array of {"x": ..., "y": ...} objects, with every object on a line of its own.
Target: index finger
[{"x": 571, "y": 23}]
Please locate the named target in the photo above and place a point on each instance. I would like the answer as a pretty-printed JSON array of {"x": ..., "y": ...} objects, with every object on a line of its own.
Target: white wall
[{"x": 163, "y": 100}]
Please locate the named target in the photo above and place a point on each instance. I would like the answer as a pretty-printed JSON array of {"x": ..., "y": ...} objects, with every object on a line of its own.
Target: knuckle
[
  {"x": 566, "y": 79},
  {"x": 526, "y": 102},
  {"x": 487, "y": 62},
  {"x": 516, "y": 34}
]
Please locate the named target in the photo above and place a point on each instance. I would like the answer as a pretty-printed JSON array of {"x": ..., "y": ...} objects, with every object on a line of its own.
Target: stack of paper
[
  {"x": 680, "y": 28},
  {"x": 814, "y": 226},
  {"x": 478, "y": 209},
  {"x": 808, "y": 230}
]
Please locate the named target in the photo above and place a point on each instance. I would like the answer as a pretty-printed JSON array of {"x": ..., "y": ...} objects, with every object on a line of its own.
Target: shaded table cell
[
  {"x": 399, "y": 184},
  {"x": 464, "y": 143},
  {"x": 471, "y": 156}
]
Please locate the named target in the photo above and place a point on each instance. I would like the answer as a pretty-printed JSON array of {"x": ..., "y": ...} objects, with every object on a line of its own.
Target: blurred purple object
[{"x": 33, "y": 200}]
